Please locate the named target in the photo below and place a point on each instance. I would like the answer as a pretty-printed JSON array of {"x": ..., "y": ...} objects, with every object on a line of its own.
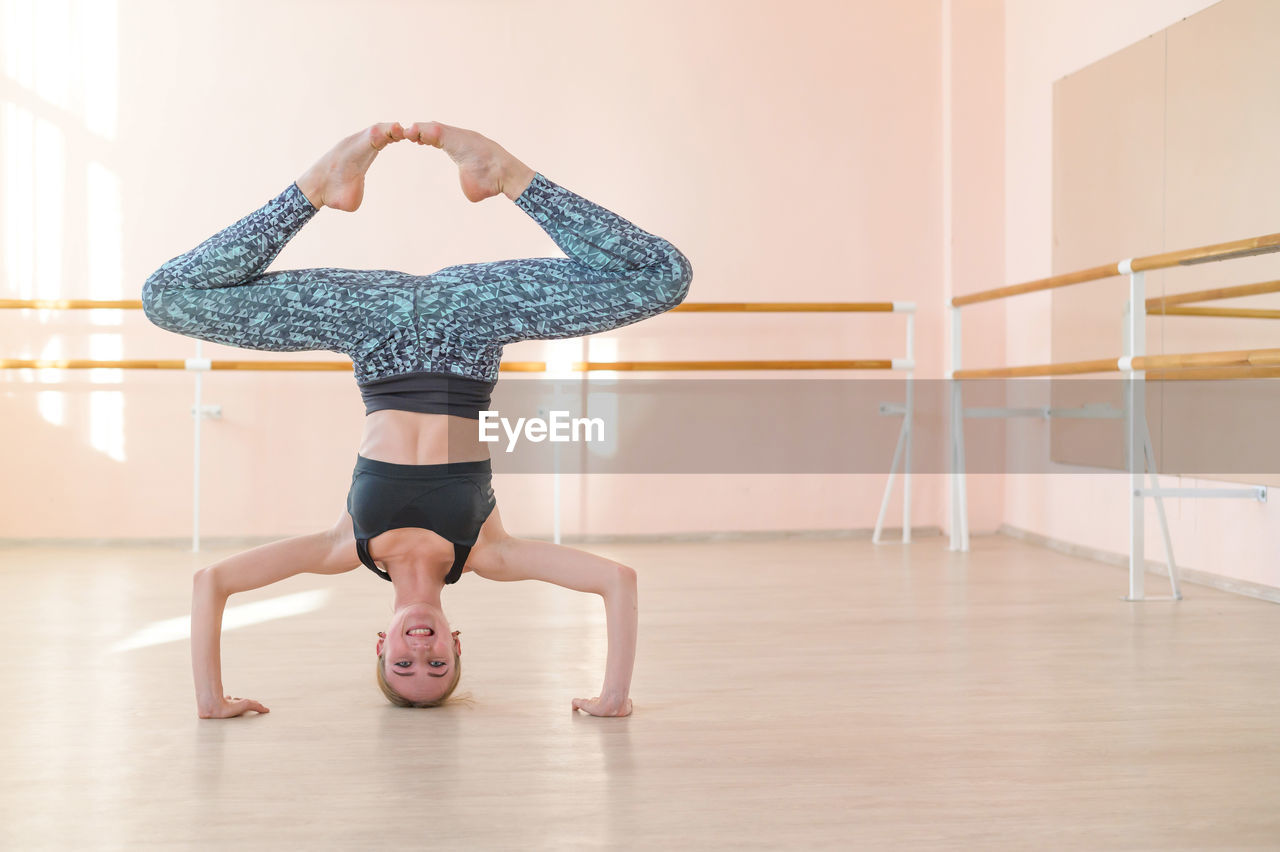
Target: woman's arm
[
  {"x": 518, "y": 559},
  {"x": 329, "y": 552},
  {"x": 621, "y": 615}
]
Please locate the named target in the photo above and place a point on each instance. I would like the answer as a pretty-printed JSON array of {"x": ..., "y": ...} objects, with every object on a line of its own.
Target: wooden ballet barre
[
  {"x": 87, "y": 364},
  {"x": 1204, "y": 254},
  {"x": 1213, "y": 374},
  {"x": 1183, "y": 361},
  {"x": 793, "y": 307},
  {"x": 1066, "y": 368},
  {"x": 200, "y": 365},
  {"x": 1064, "y": 280},
  {"x": 506, "y": 366},
  {"x": 663, "y": 366},
  {"x": 71, "y": 304},
  {"x": 1133, "y": 365},
  {"x": 1160, "y": 304},
  {"x": 1234, "y": 358},
  {"x": 1235, "y": 313},
  {"x": 203, "y": 364},
  {"x": 1233, "y": 250}
]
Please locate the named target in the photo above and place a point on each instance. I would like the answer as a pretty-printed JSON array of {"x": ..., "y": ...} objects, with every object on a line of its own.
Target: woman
[{"x": 420, "y": 511}]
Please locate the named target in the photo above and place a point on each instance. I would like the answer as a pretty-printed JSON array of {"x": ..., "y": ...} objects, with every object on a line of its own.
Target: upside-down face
[{"x": 420, "y": 654}]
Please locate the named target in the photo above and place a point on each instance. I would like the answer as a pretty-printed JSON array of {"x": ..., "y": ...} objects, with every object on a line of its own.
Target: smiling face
[{"x": 419, "y": 655}]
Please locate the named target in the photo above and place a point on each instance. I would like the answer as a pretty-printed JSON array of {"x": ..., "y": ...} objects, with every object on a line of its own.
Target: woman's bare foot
[
  {"x": 337, "y": 178},
  {"x": 485, "y": 168}
]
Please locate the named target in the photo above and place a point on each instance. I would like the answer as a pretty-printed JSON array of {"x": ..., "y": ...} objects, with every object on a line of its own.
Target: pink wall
[
  {"x": 793, "y": 151},
  {"x": 1044, "y": 42}
]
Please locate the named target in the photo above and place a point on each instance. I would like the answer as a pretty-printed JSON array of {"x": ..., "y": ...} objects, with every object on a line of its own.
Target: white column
[{"x": 198, "y": 414}]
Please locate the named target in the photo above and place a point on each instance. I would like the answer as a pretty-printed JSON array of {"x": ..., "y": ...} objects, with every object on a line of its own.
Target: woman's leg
[
  {"x": 615, "y": 273},
  {"x": 218, "y": 291}
]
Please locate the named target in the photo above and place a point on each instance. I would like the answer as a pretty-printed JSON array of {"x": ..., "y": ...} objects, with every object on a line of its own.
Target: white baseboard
[
  {"x": 889, "y": 535},
  {"x": 1121, "y": 560}
]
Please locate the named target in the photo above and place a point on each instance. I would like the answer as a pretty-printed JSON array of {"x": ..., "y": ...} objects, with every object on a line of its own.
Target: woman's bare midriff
[{"x": 407, "y": 437}]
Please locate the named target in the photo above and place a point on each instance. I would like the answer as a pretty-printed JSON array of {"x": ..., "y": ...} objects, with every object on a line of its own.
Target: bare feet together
[
  {"x": 485, "y": 168},
  {"x": 337, "y": 178}
]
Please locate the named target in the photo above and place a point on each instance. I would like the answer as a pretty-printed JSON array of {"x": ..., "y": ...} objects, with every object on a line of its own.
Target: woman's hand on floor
[
  {"x": 228, "y": 707},
  {"x": 603, "y": 706}
]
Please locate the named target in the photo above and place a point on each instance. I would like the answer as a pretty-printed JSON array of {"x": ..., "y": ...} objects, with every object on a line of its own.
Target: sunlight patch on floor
[{"x": 177, "y": 629}]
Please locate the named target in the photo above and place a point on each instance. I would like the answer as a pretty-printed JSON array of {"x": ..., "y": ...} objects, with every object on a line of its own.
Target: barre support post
[
  {"x": 1135, "y": 430},
  {"x": 907, "y": 426},
  {"x": 902, "y": 449},
  {"x": 959, "y": 502}
]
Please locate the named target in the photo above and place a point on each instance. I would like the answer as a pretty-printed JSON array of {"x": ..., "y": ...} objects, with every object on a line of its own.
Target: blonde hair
[{"x": 400, "y": 701}]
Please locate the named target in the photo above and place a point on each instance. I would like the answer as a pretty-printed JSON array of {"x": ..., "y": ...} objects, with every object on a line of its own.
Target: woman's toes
[
  {"x": 424, "y": 133},
  {"x": 382, "y": 135}
]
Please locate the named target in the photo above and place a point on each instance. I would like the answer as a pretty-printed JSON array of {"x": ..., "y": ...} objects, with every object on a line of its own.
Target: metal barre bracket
[
  {"x": 1044, "y": 412},
  {"x": 1258, "y": 492},
  {"x": 990, "y": 413}
]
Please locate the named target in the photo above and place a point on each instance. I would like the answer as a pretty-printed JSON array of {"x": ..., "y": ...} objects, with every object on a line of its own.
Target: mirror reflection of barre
[
  {"x": 1137, "y": 367},
  {"x": 901, "y": 463}
]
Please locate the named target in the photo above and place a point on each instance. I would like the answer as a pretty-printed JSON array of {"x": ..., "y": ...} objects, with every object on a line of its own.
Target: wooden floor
[{"x": 788, "y": 694}]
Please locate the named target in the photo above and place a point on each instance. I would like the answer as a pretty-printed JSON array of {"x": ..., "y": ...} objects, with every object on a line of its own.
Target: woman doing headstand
[{"x": 426, "y": 348}]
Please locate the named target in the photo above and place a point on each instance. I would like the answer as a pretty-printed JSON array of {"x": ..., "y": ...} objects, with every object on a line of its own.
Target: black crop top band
[
  {"x": 428, "y": 393},
  {"x": 451, "y": 500}
]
